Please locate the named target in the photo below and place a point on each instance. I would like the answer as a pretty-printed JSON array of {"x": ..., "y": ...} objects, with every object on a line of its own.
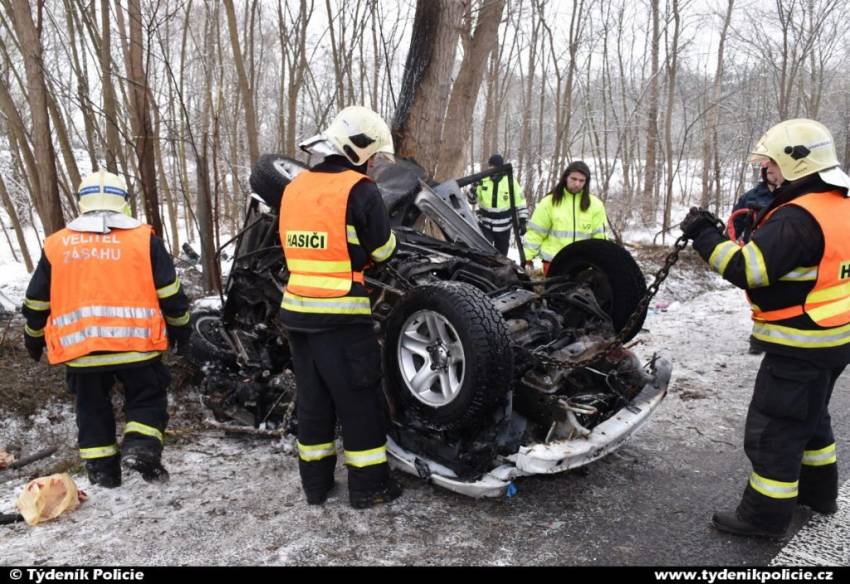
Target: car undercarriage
[{"x": 489, "y": 373}]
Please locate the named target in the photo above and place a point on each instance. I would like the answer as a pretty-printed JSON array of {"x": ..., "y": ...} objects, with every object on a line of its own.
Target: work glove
[
  {"x": 34, "y": 346},
  {"x": 179, "y": 337},
  {"x": 523, "y": 226},
  {"x": 698, "y": 220}
]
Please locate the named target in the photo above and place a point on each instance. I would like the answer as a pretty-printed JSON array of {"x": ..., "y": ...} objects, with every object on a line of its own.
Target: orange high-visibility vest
[
  {"x": 828, "y": 303},
  {"x": 102, "y": 294},
  {"x": 313, "y": 234}
]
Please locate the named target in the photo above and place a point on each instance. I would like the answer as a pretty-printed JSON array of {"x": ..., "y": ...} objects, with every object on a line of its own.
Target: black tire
[
  {"x": 271, "y": 174},
  {"x": 613, "y": 275},
  {"x": 487, "y": 357},
  {"x": 207, "y": 345}
]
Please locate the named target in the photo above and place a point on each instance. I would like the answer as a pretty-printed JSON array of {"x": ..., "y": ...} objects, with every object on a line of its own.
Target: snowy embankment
[{"x": 238, "y": 501}]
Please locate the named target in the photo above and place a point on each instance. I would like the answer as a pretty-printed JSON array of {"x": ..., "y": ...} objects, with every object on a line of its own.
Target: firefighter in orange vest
[
  {"x": 333, "y": 224},
  {"x": 105, "y": 301},
  {"x": 796, "y": 271}
]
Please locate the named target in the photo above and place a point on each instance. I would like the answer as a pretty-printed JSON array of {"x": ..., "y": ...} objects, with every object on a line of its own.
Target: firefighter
[
  {"x": 569, "y": 213},
  {"x": 333, "y": 224},
  {"x": 105, "y": 301},
  {"x": 494, "y": 207},
  {"x": 796, "y": 271}
]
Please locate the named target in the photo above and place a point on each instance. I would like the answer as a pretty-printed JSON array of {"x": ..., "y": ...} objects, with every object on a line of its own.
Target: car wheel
[
  {"x": 208, "y": 343},
  {"x": 271, "y": 174},
  {"x": 611, "y": 273},
  {"x": 447, "y": 356}
]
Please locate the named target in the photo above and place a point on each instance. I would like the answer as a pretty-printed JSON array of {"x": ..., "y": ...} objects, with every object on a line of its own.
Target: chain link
[{"x": 615, "y": 343}]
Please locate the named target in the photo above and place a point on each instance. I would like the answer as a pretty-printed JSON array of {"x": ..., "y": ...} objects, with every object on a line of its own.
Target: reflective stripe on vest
[
  {"x": 314, "y": 235},
  {"x": 354, "y": 305},
  {"x": 102, "y": 359},
  {"x": 103, "y": 299},
  {"x": 828, "y": 303},
  {"x": 803, "y": 338}
]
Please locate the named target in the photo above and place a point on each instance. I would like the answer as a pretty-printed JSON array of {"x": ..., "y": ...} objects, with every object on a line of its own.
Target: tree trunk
[
  {"x": 458, "y": 121},
  {"x": 652, "y": 122},
  {"x": 426, "y": 83},
  {"x": 709, "y": 152},
  {"x": 244, "y": 84},
  {"x": 46, "y": 198},
  {"x": 142, "y": 118},
  {"x": 16, "y": 225},
  {"x": 110, "y": 106},
  {"x": 672, "y": 65}
]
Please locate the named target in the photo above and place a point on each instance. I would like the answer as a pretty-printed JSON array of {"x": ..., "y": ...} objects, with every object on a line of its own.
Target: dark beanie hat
[{"x": 496, "y": 160}]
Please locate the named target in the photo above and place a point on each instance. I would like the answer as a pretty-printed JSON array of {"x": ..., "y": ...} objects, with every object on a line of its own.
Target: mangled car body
[{"x": 488, "y": 373}]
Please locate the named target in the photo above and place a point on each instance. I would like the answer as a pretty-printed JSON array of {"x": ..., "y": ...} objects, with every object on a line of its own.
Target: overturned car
[{"x": 489, "y": 374}]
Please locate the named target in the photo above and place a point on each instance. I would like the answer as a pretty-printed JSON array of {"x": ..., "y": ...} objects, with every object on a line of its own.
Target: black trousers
[
  {"x": 338, "y": 375},
  {"x": 788, "y": 415},
  {"x": 145, "y": 402},
  {"x": 501, "y": 240}
]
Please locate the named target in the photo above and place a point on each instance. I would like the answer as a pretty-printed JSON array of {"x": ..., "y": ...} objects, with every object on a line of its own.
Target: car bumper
[{"x": 555, "y": 456}]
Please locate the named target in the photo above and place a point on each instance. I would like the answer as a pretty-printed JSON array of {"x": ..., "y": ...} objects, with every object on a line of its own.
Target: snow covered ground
[{"x": 238, "y": 501}]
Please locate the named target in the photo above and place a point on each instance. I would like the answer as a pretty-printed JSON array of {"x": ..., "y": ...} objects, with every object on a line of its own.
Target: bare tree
[
  {"x": 709, "y": 152},
  {"x": 244, "y": 84},
  {"x": 652, "y": 118},
  {"x": 426, "y": 83},
  {"x": 46, "y": 195},
  {"x": 457, "y": 127},
  {"x": 141, "y": 116}
]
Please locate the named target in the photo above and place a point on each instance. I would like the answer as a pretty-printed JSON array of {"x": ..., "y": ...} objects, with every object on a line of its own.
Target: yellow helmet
[
  {"x": 102, "y": 191},
  {"x": 800, "y": 148},
  {"x": 358, "y": 133}
]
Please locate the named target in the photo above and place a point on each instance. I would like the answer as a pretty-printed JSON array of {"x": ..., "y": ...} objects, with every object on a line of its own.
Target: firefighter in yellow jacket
[
  {"x": 569, "y": 213},
  {"x": 105, "y": 301},
  {"x": 796, "y": 271},
  {"x": 333, "y": 224}
]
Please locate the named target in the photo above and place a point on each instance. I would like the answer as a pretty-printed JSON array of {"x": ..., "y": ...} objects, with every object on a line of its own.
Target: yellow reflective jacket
[
  {"x": 495, "y": 203},
  {"x": 552, "y": 227}
]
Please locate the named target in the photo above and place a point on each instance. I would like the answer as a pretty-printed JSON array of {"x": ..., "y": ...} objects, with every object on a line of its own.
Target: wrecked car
[{"x": 489, "y": 374}]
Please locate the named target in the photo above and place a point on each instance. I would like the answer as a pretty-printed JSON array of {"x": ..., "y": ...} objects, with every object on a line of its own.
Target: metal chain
[{"x": 617, "y": 341}]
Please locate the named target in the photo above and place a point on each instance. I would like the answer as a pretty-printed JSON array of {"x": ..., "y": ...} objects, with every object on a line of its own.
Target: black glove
[
  {"x": 523, "y": 226},
  {"x": 34, "y": 346},
  {"x": 698, "y": 220},
  {"x": 179, "y": 337}
]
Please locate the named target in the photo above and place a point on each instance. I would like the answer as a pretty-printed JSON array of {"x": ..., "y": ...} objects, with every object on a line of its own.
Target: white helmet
[
  {"x": 357, "y": 133},
  {"x": 102, "y": 191},
  {"x": 800, "y": 148}
]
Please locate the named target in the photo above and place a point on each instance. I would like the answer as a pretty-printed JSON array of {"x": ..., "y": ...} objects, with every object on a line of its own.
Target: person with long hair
[{"x": 569, "y": 213}]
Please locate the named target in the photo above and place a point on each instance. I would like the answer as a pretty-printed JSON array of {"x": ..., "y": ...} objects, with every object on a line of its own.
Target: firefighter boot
[
  {"x": 731, "y": 522},
  {"x": 319, "y": 496},
  {"x": 390, "y": 491},
  {"x": 819, "y": 488},
  {"x": 105, "y": 472},
  {"x": 144, "y": 458}
]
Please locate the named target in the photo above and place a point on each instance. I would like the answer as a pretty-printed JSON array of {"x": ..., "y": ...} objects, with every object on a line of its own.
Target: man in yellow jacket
[{"x": 569, "y": 213}]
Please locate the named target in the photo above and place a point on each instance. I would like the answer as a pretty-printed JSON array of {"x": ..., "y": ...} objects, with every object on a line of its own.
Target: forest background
[{"x": 664, "y": 98}]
